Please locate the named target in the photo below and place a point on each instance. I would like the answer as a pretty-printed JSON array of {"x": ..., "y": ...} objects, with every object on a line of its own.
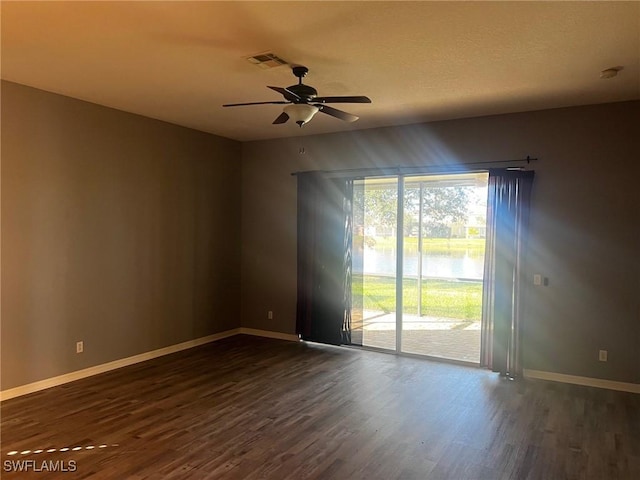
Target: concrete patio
[{"x": 436, "y": 337}]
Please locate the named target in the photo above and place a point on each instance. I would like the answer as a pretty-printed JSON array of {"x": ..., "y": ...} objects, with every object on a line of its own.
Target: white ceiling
[{"x": 417, "y": 61}]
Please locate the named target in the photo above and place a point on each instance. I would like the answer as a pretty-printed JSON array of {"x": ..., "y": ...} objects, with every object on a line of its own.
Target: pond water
[{"x": 377, "y": 261}]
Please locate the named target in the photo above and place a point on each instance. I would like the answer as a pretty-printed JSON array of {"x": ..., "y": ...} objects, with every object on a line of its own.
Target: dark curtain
[
  {"x": 507, "y": 222},
  {"x": 324, "y": 258}
]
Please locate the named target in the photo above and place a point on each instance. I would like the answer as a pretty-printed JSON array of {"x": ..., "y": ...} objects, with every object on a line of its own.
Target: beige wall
[
  {"x": 585, "y": 223},
  {"x": 117, "y": 230}
]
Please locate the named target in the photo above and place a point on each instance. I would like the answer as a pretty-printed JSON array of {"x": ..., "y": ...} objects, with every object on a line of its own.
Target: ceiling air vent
[{"x": 266, "y": 60}]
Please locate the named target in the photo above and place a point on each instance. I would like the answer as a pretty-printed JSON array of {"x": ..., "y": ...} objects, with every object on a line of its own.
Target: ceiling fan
[{"x": 303, "y": 102}]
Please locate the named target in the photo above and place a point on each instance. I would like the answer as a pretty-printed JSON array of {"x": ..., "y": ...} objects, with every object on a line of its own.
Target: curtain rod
[{"x": 373, "y": 171}]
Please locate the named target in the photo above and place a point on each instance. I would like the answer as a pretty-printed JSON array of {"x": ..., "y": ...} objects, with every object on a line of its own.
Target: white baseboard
[
  {"x": 142, "y": 357},
  {"x": 585, "y": 381},
  {"x": 268, "y": 334},
  {"x": 106, "y": 367},
  {"x": 124, "y": 362}
]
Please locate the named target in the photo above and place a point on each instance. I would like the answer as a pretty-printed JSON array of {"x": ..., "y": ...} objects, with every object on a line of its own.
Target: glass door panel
[
  {"x": 443, "y": 263},
  {"x": 374, "y": 262}
]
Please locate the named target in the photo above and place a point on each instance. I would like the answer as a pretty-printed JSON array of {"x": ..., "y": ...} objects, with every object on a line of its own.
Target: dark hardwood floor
[{"x": 254, "y": 408}]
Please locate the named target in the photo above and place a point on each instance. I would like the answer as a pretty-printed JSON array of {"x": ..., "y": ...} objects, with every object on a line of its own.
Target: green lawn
[
  {"x": 435, "y": 245},
  {"x": 440, "y": 298}
]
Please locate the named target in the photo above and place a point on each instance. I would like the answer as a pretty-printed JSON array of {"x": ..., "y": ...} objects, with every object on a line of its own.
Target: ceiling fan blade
[
  {"x": 282, "y": 118},
  {"x": 281, "y": 102},
  {"x": 334, "y": 112},
  {"x": 288, "y": 94},
  {"x": 345, "y": 99}
]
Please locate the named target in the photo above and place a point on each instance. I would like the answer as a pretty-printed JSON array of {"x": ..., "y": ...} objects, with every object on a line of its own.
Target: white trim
[
  {"x": 142, "y": 357},
  {"x": 268, "y": 334},
  {"x": 586, "y": 381},
  {"x": 105, "y": 367}
]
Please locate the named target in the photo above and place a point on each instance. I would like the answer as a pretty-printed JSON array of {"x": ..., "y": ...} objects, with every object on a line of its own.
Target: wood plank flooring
[{"x": 254, "y": 408}]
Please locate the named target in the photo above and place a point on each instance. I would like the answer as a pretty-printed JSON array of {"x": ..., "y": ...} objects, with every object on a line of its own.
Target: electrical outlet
[
  {"x": 79, "y": 347},
  {"x": 537, "y": 279},
  {"x": 602, "y": 355},
  {"x": 270, "y": 315}
]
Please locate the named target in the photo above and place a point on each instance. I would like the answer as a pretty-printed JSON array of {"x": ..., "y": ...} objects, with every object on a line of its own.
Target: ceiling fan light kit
[
  {"x": 301, "y": 113},
  {"x": 303, "y": 102}
]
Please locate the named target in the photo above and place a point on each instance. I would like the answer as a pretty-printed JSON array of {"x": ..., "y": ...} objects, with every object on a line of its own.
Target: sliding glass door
[{"x": 418, "y": 262}]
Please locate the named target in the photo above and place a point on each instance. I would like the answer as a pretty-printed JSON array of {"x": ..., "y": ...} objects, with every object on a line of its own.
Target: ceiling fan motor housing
[{"x": 304, "y": 92}]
